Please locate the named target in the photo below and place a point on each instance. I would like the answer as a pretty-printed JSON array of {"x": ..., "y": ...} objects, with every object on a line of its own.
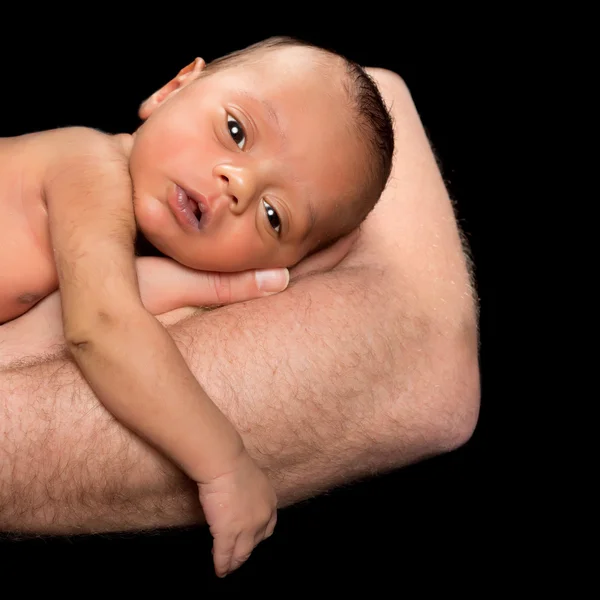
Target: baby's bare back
[{"x": 27, "y": 268}]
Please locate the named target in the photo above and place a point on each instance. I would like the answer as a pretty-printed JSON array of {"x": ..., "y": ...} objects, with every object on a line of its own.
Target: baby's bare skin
[{"x": 27, "y": 270}]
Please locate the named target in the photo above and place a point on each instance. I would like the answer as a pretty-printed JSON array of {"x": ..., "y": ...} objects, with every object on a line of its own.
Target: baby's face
[{"x": 247, "y": 167}]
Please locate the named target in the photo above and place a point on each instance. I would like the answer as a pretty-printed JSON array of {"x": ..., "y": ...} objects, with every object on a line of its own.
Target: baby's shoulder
[
  {"x": 51, "y": 146},
  {"x": 28, "y": 162},
  {"x": 69, "y": 141}
]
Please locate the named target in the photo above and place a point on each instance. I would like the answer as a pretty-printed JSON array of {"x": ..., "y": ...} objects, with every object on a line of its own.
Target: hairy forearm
[
  {"x": 311, "y": 378},
  {"x": 66, "y": 465},
  {"x": 326, "y": 385}
]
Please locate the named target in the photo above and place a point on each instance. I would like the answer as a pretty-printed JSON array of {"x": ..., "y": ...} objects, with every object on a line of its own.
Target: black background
[{"x": 440, "y": 512}]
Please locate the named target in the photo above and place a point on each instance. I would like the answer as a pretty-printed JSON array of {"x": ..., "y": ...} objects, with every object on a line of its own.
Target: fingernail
[{"x": 272, "y": 280}]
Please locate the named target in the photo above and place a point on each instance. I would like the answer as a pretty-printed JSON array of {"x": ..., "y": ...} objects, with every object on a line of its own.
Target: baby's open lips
[
  {"x": 187, "y": 207},
  {"x": 194, "y": 207},
  {"x": 196, "y": 210}
]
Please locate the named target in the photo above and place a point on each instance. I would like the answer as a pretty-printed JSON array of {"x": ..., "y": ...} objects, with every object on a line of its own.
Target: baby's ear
[{"x": 184, "y": 77}]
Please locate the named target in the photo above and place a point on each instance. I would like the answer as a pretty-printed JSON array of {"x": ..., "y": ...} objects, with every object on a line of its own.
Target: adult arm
[{"x": 362, "y": 369}]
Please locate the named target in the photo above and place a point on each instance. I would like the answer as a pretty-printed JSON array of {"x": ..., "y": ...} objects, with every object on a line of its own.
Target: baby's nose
[{"x": 239, "y": 185}]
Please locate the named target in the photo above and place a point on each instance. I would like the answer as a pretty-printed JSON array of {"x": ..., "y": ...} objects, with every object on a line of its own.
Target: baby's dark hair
[{"x": 372, "y": 118}]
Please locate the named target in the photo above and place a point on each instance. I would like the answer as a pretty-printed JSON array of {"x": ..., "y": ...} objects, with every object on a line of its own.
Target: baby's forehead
[
  {"x": 307, "y": 61},
  {"x": 289, "y": 75}
]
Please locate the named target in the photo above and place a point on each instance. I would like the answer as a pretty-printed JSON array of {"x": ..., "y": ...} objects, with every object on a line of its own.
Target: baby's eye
[
  {"x": 236, "y": 132},
  {"x": 273, "y": 217}
]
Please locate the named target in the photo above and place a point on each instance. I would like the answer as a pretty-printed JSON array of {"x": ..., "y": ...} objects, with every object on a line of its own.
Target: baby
[{"x": 255, "y": 160}]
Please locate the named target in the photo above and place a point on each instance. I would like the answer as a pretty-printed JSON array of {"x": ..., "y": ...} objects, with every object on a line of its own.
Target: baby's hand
[{"x": 240, "y": 507}]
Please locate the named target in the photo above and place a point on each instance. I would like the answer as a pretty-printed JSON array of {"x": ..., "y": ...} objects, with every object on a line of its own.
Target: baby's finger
[
  {"x": 243, "y": 549},
  {"x": 223, "y": 550}
]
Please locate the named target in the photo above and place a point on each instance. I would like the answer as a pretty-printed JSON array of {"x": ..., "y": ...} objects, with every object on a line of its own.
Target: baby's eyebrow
[
  {"x": 273, "y": 117},
  {"x": 271, "y": 113}
]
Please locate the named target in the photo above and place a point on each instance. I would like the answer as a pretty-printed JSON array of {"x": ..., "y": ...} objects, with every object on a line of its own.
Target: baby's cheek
[{"x": 150, "y": 214}]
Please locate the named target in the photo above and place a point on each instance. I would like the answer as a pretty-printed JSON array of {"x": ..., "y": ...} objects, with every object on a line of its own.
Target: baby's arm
[{"x": 131, "y": 362}]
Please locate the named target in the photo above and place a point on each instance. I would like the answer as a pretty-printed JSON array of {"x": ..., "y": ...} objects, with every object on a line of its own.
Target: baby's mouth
[
  {"x": 187, "y": 210},
  {"x": 196, "y": 210}
]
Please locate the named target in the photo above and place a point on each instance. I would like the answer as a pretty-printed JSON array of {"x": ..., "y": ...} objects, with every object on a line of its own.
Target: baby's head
[{"x": 259, "y": 158}]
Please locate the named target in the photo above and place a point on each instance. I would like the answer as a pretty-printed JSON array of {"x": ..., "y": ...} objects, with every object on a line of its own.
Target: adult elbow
[
  {"x": 459, "y": 403},
  {"x": 466, "y": 406}
]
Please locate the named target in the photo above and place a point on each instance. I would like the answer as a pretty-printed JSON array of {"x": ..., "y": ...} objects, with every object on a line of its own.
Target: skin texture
[{"x": 324, "y": 385}]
